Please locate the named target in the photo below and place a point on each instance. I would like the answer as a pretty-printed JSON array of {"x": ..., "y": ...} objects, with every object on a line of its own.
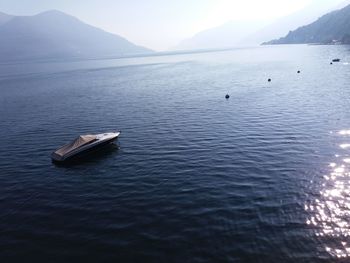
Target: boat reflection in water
[{"x": 330, "y": 212}]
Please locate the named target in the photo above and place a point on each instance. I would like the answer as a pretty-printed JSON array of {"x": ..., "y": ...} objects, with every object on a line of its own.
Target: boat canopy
[{"x": 79, "y": 142}]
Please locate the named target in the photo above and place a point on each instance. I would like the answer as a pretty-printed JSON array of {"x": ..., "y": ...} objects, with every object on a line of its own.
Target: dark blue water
[{"x": 262, "y": 177}]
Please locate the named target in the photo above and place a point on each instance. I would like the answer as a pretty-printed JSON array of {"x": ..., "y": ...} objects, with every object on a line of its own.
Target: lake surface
[{"x": 261, "y": 177}]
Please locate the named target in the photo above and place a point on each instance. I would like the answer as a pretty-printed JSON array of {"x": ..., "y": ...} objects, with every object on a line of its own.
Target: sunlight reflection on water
[{"x": 330, "y": 214}]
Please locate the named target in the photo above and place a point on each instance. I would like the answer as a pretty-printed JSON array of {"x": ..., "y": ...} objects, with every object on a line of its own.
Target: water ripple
[{"x": 197, "y": 178}]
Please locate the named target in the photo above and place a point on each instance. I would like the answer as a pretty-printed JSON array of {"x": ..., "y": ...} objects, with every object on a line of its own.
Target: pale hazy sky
[{"x": 160, "y": 24}]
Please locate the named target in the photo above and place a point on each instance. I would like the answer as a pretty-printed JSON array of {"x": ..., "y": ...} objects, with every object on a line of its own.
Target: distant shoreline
[{"x": 151, "y": 54}]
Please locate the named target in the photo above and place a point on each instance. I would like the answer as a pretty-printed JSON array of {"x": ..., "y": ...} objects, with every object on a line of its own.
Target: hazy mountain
[
  {"x": 283, "y": 25},
  {"x": 227, "y": 35},
  {"x": 256, "y": 32},
  {"x": 54, "y": 34},
  {"x": 330, "y": 28}
]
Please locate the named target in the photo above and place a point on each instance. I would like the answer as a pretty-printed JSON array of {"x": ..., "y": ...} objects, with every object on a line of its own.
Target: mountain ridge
[
  {"x": 331, "y": 28},
  {"x": 224, "y": 36},
  {"x": 54, "y": 34},
  {"x": 263, "y": 31}
]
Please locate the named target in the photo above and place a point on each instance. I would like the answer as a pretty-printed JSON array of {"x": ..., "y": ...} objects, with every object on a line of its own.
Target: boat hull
[{"x": 85, "y": 152}]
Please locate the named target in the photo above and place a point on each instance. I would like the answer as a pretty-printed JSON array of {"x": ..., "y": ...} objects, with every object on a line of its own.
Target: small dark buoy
[
  {"x": 298, "y": 71},
  {"x": 269, "y": 80},
  {"x": 227, "y": 96},
  {"x": 331, "y": 63}
]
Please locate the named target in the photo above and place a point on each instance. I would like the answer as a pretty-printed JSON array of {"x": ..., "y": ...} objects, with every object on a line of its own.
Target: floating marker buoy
[
  {"x": 331, "y": 63},
  {"x": 269, "y": 80},
  {"x": 227, "y": 96},
  {"x": 298, "y": 72}
]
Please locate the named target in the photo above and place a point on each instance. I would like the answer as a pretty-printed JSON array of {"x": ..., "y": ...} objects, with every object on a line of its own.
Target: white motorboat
[{"x": 84, "y": 144}]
